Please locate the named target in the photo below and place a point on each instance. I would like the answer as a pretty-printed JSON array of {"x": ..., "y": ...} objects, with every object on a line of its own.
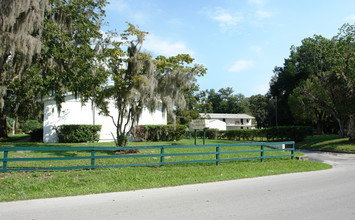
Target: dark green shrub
[
  {"x": 233, "y": 134},
  {"x": 31, "y": 125},
  {"x": 159, "y": 132},
  {"x": 140, "y": 133},
  {"x": 37, "y": 135},
  {"x": 211, "y": 133},
  {"x": 221, "y": 135},
  {"x": 78, "y": 133},
  {"x": 282, "y": 133},
  {"x": 289, "y": 133}
]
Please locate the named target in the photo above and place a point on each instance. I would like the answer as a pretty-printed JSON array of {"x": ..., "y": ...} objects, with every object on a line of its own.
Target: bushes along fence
[{"x": 78, "y": 133}]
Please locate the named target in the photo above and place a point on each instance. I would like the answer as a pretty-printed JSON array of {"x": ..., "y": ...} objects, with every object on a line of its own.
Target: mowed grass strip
[
  {"x": 46, "y": 184},
  {"x": 331, "y": 143},
  {"x": 32, "y": 185}
]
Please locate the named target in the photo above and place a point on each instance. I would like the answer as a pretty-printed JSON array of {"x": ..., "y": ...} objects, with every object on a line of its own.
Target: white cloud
[
  {"x": 351, "y": 18},
  {"x": 261, "y": 14},
  {"x": 165, "y": 47},
  {"x": 227, "y": 20},
  {"x": 240, "y": 65}
]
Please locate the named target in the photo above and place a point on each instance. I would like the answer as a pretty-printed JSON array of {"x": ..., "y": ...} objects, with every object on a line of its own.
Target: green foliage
[
  {"x": 223, "y": 101},
  {"x": 211, "y": 133},
  {"x": 184, "y": 116},
  {"x": 159, "y": 132},
  {"x": 291, "y": 133},
  {"x": 78, "y": 133},
  {"x": 140, "y": 82},
  {"x": 329, "y": 143},
  {"x": 37, "y": 135},
  {"x": 32, "y": 125},
  {"x": 260, "y": 106},
  {"x": 51, "y": 54},
  {"x": 318, "y": 78}
]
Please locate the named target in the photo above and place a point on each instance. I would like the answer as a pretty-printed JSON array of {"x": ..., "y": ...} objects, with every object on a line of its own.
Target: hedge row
[
  {"x": 210, "y": 133},
  {"x": 283, "y": 133},
  {"x": 37, "y": 135},
  {"x": 159, "y": 132},
  {"x": 78, "y": 133}
]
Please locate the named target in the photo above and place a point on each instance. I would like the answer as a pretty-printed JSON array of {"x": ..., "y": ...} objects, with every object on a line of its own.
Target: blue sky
[{"x": 239, "y": 41}]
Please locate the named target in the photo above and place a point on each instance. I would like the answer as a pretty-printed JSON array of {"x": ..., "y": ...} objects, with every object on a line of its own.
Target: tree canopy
[
  {"x": 223, "y": 101},
  {"x": 46, "y": 50},
  {"x": 140, "y": 82},
  {"x": 20, "y": 36},
  {"x": 318, "y": 76}
]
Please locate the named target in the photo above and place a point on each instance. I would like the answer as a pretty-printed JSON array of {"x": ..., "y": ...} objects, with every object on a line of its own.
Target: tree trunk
[
  {"x": 351, "y": 129},
  {"x": 320, "y": 128},
  {"x": 342, "y": 126},
  {"x": 3, "y": 127},
  {"x": 122, "y": 140},
  {"x": 16, "y": 124}
]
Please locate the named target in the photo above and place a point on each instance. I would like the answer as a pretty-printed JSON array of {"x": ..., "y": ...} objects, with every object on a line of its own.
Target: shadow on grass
[
  {"x": 15, "y": 138},
  {"x": 331, "y": 143}
]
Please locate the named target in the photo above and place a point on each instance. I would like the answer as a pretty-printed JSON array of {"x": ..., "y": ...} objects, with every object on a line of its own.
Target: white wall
[
  {"x": 217, "y": 124},
  {"x": 73, "y": 112}
]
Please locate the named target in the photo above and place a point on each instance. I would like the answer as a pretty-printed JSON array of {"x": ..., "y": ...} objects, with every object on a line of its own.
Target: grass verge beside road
[
  {"x": 331, "y": 143},
  {"x": 46, "y": 184},
  {"x": 32, "y": 185}
]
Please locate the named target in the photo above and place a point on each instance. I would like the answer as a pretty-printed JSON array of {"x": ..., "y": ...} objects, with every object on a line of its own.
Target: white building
[
  {"x": 208, "y": 123},
  {"x": 73, "y": 112},
  {"x": 216, "y": 124},
  {"x": 233, "y": 121}
]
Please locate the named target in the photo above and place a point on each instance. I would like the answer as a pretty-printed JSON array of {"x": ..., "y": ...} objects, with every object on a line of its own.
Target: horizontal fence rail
[{"x": 157, "y": 152}]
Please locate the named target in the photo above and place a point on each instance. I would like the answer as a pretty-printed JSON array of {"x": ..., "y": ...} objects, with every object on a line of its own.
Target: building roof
[
  {"x": 215, "y": 120},
  {"x": 225, "y": 115}
]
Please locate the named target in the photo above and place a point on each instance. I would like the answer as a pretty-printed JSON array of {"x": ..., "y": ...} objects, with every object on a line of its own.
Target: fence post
[
  {"x": 162, "y": 155},
  {"x": 4, "y": 163},
  {"x": 204, "y": 136},
  {"x": 92, "y": 159},
  {"x": 195, "y": 137},
  {"x": 217, "y": 156},
  {"x": 262, "y": 153},
  {"x": 293, "y": 151}
]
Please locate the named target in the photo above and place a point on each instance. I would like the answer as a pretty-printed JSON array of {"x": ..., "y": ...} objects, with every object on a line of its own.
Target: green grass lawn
[
  {"x": 45, "y": 184},
  {"x": 16, "y": 137},
  {"x": 327, "y": 143}
]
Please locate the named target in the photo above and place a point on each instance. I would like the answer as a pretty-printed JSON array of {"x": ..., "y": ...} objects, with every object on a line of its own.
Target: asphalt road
[{"x": 328, "y": 194}]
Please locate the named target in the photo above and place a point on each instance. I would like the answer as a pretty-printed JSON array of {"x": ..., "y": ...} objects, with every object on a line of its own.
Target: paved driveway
[{"x": 328, "y": 194}]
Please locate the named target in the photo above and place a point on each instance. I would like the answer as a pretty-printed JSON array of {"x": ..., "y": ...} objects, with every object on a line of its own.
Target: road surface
[{"x": 328, "y": 194}]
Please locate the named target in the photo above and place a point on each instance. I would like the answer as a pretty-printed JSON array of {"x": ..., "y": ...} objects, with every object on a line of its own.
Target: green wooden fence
[{"x": 160, "y": 153}]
